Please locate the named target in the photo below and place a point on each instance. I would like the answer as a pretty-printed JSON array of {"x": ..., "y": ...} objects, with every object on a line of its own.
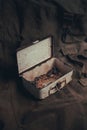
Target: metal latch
[
  {"x": 57, "y": 87},
  {"x": 35, "y": 41}
]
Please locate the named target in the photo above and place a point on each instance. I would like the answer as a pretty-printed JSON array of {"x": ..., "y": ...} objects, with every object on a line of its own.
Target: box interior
[{"x": 46, "y": 67}]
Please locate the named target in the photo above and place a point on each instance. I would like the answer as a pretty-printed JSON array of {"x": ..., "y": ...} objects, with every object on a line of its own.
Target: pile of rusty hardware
[{"x": 46, "y": 79}]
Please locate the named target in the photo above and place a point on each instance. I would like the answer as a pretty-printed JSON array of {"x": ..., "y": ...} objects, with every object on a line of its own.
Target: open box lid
[{"x": 35, "y": 54}]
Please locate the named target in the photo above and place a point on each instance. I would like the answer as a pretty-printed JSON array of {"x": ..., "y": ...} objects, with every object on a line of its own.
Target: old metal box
[{"x": 36, "y": 62}]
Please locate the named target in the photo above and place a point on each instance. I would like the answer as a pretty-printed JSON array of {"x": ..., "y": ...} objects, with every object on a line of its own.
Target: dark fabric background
[
  {"x": 24, "y": 21},
  {"x": 21, "y": 23}
]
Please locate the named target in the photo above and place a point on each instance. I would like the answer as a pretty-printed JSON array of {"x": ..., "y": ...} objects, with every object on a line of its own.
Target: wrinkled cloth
[
  {"x": 65, "y": 110},
  {"x": 21, "y": 22},
  {"x": 83, "y": 81},
  {"x": 74, "y": 6},
  {"x": 70, "y": 49}
]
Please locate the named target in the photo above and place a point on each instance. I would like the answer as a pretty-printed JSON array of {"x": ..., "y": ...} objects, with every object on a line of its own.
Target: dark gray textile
[
  {"x": 21, "y": 23},
  {"x": 24, "y": 21}
]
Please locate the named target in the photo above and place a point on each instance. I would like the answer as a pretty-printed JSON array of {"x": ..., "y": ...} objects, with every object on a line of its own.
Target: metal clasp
[{"x": 57, "y": 87}]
